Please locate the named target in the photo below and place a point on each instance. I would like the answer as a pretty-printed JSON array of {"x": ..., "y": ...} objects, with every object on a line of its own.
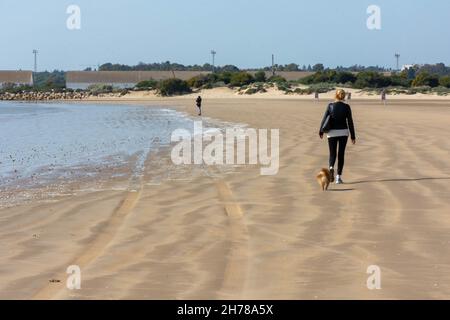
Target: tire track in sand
[
  {"x": 95, "y": 248},
  {"x": 99, "y": 244},
  {"x": 236, "y": 269}
]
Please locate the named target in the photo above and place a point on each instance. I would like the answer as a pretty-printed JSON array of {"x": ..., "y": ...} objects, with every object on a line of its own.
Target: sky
[{"x": 244, "y": 33}]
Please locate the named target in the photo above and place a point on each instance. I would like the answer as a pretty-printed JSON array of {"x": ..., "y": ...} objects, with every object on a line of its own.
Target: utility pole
[
  {"x": 213, "y": 53},
  {"x": 35, "y": 52},
  {"x": 397, "y": 57},
  {"x": 273, "y": 64}
]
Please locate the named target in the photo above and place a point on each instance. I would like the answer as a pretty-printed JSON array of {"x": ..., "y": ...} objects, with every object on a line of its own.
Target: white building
[
  {"x": 18, "y": 78},
  {"x": 407, "y": 66},
  {"x": 122, "y": 79}
]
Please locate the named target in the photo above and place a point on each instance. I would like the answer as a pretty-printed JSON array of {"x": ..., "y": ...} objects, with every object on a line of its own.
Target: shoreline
[
  {"x": 93, "y": 177},
  {"x": 225, "y": 93},
  {"x": 55, "y": 180}
]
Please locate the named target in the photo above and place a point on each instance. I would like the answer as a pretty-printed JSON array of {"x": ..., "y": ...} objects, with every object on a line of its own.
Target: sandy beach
[{"x": 205, "y": 232}]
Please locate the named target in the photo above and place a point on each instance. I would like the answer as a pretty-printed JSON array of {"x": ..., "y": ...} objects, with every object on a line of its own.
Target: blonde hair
[{"x": 340, "y": 95}]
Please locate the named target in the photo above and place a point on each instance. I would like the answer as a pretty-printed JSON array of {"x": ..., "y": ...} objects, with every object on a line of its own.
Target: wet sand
[{"x": 205, "y": 233}]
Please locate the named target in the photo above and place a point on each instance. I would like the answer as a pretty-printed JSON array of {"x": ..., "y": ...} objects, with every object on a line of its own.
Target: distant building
[
  {"x": 408, "y": 66},
  {"x": 122, "y": 79},
  {"x": 18, "y": 78}
]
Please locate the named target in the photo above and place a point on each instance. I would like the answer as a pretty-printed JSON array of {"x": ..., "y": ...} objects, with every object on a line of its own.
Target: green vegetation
[
  {"x": 166, "y": 66},
  {"x": 319, "y": 88},
  {"x": 13, "y": 88},
  {"x": 431, "y": 78},
  {"x": 239, "y": 79},
  {"x": 203, "y": 81},
  {"x": 276, "y": 79},
  {"x": 407, "y": 82},
  {"x": 371, "y": 79},
  {"x": 97, "y": 89},
  {"x": 442, "y": 91},
  {"x": 403, "y": 79},
  {"x": 168, "y": 87},
  {"x": 260, "y": 76},
  {"x": 426, "y": 79},
  {"x": 234, "y": 79},
  {"x": 343, "y": 77},
  {"x": 257, "y": 87},
  {"x": 445, "y": 81},
  {"x": 147, "y": 84},
  {"x": 44, "y": 81},
  {"x": 330, "y": 76},
  {"x": 357, "y": 76},
  {"x": 318, "y": 67},
  {"x": 411, "y": 80},
  {"x": 171, "y": 87},
  {"x": 284, "y": 86}
]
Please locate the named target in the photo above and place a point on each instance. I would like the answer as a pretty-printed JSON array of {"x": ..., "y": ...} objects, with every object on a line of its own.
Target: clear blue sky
[{"x": 243, "y": 32}]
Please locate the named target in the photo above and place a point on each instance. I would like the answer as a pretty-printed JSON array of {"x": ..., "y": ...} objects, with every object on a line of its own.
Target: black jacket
[{"x": 340, "y": 118}]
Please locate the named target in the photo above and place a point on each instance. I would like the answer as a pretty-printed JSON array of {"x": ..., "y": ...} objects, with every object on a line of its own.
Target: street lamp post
[
  {"x": 397, "y": 57},
  {"x": 35, "y": 52},
  {"x": 213, "y": 53}
]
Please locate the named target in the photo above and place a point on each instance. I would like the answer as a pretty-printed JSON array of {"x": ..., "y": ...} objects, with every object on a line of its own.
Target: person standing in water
[
  {"x": 199, "y": 105},
  {"x": 340, "y": 126}
]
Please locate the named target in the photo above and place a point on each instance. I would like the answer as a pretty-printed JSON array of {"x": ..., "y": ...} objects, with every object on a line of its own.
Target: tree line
[
  {"x": 425, "y": 76},
  {"x": 169, "y": 66}
]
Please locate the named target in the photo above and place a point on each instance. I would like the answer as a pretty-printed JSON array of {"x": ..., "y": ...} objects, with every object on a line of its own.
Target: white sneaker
[{"x": 339, "y": 180}]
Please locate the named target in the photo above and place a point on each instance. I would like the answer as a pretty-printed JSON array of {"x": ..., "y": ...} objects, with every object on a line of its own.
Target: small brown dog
[{"x": 324, "y": 178}]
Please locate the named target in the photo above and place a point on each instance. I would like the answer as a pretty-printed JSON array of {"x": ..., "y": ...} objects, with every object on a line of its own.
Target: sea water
[{"x": 38, "y": 138}]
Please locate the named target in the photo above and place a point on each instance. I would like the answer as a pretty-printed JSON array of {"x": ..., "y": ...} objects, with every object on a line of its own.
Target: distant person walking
[
  {"x": 349, "y": 96},
  {"x": 316, "y": 96},
  {"x": 198, "y": 102},
  {"x": 383, "y": 96},
  {"x": 337, "y": 123}
]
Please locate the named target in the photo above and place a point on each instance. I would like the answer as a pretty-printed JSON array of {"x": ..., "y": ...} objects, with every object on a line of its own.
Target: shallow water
[{"x": 41, "y": 141}]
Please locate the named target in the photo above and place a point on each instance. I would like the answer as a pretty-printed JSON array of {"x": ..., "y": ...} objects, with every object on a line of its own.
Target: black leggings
[{"x": 333, "y": 145}]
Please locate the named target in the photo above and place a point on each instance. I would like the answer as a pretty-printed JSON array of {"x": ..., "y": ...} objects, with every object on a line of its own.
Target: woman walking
[{"x": 337, "y": 123}]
